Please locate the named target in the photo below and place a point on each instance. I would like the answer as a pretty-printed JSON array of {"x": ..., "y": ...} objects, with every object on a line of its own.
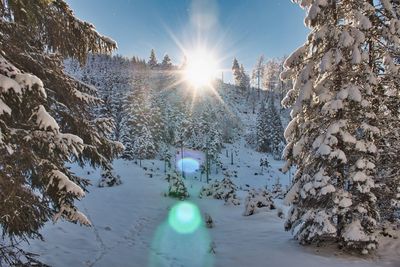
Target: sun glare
[{"x": 201, "y": 68}]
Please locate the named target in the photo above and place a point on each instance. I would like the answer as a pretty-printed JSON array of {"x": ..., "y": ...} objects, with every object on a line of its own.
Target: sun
[{"x": 201, "y": 68}]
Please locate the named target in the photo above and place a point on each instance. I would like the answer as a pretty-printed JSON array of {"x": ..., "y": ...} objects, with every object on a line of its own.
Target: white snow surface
[{"x": 130, "y": 228}]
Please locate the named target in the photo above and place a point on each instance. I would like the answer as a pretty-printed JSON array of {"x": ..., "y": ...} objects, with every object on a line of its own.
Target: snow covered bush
[
  {"x": 109, "y": 178},
  {"x": 258, "y": 201},
  {"x": 225, "y": 190},
  {"x": 177, "y": 188}
]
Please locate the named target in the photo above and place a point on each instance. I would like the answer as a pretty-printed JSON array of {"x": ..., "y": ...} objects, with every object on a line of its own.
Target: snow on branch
[
  {"x": 45, "y": 121},
  {"x": 7, "y": 84},
  {"x": 72, "y": 214},
  {"x": 65, "y": 183},
  {"x": 29, "y": 82}
]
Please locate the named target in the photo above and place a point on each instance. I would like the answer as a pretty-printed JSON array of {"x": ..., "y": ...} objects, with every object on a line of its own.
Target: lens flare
[
  {"x": 186, "y": 249},
  {"x": 188, "y": 160},
  {"x": 184, "y": 217},
  {"x": 188, "y": 165}
]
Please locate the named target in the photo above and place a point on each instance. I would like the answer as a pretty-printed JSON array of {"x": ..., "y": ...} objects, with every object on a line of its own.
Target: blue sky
[{"x": 241, "y": 28}]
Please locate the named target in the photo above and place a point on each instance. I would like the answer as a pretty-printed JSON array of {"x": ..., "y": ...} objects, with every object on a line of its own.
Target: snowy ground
[{"x": 130, "y": 227}]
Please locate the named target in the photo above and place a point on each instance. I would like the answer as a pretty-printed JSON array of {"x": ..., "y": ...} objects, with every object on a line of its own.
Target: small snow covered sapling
[
  {"x": 166, "y": 157},
  {"x": 258, "y": 200},
  {"x": 264, "y": 163},
  {"x": 109, "y": 178},
  {"x": 277, "y": 191},
  {"x": 177, "y": 188},
  {"x": 167, "y": 162}
]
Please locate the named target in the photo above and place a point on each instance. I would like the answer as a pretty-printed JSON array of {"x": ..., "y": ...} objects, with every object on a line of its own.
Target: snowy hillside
[{"x": 131, "y": 227}]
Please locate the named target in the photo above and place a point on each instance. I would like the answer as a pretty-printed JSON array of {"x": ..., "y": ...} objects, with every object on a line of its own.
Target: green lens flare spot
[{"x": 184, "y": 217}]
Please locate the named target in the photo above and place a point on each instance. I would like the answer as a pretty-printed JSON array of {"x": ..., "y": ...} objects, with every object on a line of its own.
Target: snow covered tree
[
  {"x": 244, "y": 82},
  {"x": 276, "y": 138},
  {"x": 332, "y": 135},
  {"x": 166, "y": 63},
  {"x": 271, "y": 75},
  {"x": 166, "y": 156},
  {"x": 237, "y": 75},
  {"x": 264, "y": 164},
  {"x": 240, "y": 78},
  {"x": 111, "y": 75},
  {"x": 269, "y": 130},
  {"x": 177, "y": 188},
  {"x": 258, "y": 201},
  {"x": 387, "y": 51},
  {"x": 143, "y": 144},
  {"x": 277, "y": 190},
  {"x": 44, "y": 119},
  {"x": 258, "y": 73},
  {"x": 153, "y": 64},
  {"x": 139, "y": 138},
  {"x": 262, "y": 130}
]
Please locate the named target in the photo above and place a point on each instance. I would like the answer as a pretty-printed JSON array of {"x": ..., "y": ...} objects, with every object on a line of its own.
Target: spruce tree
[
  {"x": 276, "y": 138},
  {"x": 139, "y": 138},
  {"x": 386, "y": 59},
  {"x": 166, "y": 63},
  {"x": 263, "y": 130},
  {"x": 236, "y": 72},
  {"x": 269, "y": 129},
  {"x": 111, "y": 75},
  {"x": 277, "y": 190},
  {"x": 177, "y": 188},
  {"x": 45, "y": 119},
  {"x": 152, "y": 63},
  {"x": 244, "y": 80},
  {"x": 332, "y": 135}
]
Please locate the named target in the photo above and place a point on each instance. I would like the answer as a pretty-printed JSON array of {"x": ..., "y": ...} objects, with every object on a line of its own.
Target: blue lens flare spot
[{"x": 188, "y": 165}]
